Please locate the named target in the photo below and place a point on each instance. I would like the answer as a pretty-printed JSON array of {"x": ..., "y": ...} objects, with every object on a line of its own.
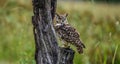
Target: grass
[
  {"x": 98, "y": 24},
  {"x": 113, "y": 60}
]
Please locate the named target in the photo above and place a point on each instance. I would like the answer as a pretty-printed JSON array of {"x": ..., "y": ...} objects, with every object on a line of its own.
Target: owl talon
[{"x": 65, "y": 46}]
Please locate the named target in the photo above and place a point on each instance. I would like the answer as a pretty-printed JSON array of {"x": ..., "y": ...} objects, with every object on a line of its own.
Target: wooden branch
[{"x": 47, "y": 50}]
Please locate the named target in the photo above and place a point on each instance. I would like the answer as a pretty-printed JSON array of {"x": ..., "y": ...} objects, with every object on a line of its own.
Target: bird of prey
[{"x": 67, "y": 33}]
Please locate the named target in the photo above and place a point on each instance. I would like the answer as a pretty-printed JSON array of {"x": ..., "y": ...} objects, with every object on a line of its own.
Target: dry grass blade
[{"x": 113, "y": 60}]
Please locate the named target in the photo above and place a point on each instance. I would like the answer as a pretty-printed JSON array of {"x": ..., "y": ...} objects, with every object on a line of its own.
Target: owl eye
[
  {"x": 57, "y": 21},
  {"x": 59, "y": 18}
]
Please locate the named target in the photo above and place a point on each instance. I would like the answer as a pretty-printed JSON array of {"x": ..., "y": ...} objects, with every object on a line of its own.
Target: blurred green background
[{"x": 97, "y": 23}]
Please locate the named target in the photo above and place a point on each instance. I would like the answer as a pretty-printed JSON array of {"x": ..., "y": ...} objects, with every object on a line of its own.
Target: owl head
[{"x": 61, "y": 19}]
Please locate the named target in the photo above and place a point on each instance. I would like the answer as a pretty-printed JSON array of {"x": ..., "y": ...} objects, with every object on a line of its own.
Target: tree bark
[
  {"x": 65, "y": 55},
  {"x": 47, "y": 50}
]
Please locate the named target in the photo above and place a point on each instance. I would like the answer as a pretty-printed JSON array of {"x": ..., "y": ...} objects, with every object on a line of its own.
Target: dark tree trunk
[
  {"x": 65, "y": 55},
  {"x": 47, "y": 50}
]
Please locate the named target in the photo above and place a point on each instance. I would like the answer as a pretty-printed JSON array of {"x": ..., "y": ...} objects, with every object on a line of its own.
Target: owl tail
[{"x": 80, "y": 46}]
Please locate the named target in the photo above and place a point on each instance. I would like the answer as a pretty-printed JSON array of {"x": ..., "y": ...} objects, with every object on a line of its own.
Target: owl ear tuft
[
  {"x": 66, "y": 14},
  {"x": 57, "y": 15}
]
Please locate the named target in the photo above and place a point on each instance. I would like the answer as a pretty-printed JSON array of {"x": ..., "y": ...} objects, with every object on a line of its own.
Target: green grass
[{"x": 98, "y": 25}]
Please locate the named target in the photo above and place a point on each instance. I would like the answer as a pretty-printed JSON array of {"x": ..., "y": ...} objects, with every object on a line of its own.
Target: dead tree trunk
[{"x": 47, "y": 50}]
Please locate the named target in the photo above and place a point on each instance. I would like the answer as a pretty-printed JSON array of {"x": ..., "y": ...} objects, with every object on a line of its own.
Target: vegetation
[
  {"x": 98, "y": 24},
  {"x": 108, "y": 1}
]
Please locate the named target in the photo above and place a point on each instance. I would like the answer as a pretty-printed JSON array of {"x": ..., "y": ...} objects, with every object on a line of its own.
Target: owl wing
[{"x": 71, "y": 31}]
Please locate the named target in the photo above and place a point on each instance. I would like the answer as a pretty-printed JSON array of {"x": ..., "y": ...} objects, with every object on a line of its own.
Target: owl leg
[
  {"x": 66, "y": 45},
  {"x": 63, "y": 43}
]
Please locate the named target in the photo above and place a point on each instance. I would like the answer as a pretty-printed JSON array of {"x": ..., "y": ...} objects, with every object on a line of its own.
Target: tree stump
[{"x": 47, "y": 50}]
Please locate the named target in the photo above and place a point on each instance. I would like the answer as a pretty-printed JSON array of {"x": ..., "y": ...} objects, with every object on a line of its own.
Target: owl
[{"x": 67, "y": 33}]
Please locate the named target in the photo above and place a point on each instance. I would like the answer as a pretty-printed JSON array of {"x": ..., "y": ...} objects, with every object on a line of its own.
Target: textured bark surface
[
  {"x": 47, "y": 50},
  {"x": 65, "y": 55}
]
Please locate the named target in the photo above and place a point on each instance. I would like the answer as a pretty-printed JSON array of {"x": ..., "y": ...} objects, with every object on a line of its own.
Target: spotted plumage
[{"x": 68, "y": 33}]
